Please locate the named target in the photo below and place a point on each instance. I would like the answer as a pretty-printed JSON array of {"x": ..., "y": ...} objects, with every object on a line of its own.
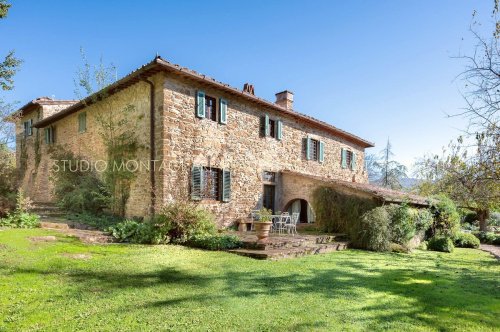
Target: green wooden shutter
[
  {"x": 279, "y": 129},
  {"x": 30, "y": 127},
  {"x": 321, "y": 152},
  {"x": 46, "y": 133},
  {"x": 223, "y": 111},
  {"x": 308, "y": 148},
  {"x": 226, "y": 186},
  {"x": 200, "y": 104},
  {"x": 353, "y": 161},
  {"x": 25, "y": 124},
  {"x": 344, "y": 158},
  {"x": 264, "y": 126},
  {"x": 196, "y": 183},
  {"x": 82, "y": 122}
]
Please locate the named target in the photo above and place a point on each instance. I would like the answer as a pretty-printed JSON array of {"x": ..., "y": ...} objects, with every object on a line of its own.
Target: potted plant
[{"x": 263, "y": 225}]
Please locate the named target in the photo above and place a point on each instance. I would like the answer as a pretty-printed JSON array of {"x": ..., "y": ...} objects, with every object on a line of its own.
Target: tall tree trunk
[{"x": 482, "y": 216}]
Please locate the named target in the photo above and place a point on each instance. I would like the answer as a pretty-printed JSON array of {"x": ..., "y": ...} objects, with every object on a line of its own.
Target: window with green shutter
[
  {"x": 279, "y": 130},
  {"x": 321, "y": 152},
  {"x": 49, "y": 134},
  {"x": 82, "y": 122},
  {"x": 222, "y": 111},
  {"x": 308, "y": 143},
  {"x": 264, "y": 126},
  {"x": 353, "y": 161},
  {"x": 200, "y": 104}
]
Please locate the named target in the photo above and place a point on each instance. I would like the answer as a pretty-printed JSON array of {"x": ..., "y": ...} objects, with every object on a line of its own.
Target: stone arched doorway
[{"x": 301, "y": 206}]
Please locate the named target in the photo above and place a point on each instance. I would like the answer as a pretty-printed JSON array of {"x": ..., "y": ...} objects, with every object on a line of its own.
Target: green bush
[
  {"x": 446, "y": 217},
  {"x": 466, "y": 240},
  {"x": 20, "y": 217},
  {"x": 181, "y": 221},
  {"x": 8, "y": 178},
  {"x": 76, "y": 188},
  {"x": 402, "y": 222},
  {"x": 100, "y": 221},
  {"x": 338, "y": 212},
  {"x": 136, "y": 232},
  {"x": 374, "y": 233},
  {"x": 424, "y": 219},
  {"x": 440, "y": 243},
  {"x": 216, "y": 242},
  {"x": 488, "y": 237}
]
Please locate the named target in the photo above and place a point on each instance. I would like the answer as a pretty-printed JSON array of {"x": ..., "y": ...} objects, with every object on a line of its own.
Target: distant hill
[{"x": 407, "y": 183}]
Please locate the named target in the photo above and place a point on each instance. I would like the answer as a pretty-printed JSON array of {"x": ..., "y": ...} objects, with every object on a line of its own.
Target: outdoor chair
[{"x": 291, "y": 226}]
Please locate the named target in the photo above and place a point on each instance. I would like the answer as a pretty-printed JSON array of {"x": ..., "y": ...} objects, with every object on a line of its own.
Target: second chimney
[{"x": 285, "y": 99}]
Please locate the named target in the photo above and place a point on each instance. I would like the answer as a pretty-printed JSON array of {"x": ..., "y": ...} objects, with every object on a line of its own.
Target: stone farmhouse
[{"x": 224, "y": 147}]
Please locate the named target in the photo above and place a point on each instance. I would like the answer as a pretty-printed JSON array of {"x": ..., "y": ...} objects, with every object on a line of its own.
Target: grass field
[{"x": 66, "y": 286}]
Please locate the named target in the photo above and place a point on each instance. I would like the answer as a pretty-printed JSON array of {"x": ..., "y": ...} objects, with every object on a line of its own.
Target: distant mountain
[{"x": 407, "y": 183}]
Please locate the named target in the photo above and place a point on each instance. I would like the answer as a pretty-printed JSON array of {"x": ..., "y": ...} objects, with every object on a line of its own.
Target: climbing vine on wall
[{"x": 118, "y": 129}]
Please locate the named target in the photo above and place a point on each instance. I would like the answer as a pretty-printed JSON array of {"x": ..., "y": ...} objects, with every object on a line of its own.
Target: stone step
[
  {"x": 288, "y": 242},
  {"x": 276, "y": 254},
  {"x": 55, "y": 223}
]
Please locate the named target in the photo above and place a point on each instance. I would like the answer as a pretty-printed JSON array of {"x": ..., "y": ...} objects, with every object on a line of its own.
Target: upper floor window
[
  {"x": 315, "y": 149},
  {"x": 348, "y": 159},
  {"x": 206, "y": 107},
  {"x": 28, "y": 128},
  {"x": 50, "y": 135},
  {"x": 272, "y": 128},
  {"x": 82, "y": 122}
]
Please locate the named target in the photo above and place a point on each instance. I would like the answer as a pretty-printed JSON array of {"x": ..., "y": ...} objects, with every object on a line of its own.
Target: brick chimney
[
  {"x": 247, "y": 87},
  {"x": 285, "y": 99}
]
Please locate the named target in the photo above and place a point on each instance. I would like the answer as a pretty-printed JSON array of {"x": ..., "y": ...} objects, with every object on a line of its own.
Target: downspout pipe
[{"x": 152, "y": 155}]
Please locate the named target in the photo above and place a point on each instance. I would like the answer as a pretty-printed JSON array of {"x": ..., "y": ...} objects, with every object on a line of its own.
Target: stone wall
[
  {"x": 239, "y": 147},
  {"x": 89, "y": 145}
]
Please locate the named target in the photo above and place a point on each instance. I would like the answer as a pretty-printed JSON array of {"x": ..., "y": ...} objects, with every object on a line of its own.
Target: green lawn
[{"x": 43, "y": 286}]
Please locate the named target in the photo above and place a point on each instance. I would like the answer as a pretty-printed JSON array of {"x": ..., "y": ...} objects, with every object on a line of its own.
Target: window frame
[
  {"x": 81, "y": 116},
  {"x": 211, "y": 190},
  {"x": 314, "y": 153}
]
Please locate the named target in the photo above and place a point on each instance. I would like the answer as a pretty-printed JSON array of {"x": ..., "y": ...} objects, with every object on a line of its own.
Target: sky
[{"x": 378, "y": 69}]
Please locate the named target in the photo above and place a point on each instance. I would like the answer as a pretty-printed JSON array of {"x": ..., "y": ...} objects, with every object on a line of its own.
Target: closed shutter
[
  {"x": 321, "y": 152},
  {"x": 264, "y": 126},
  {"x": 30, "y": 127},
  {"x": 223, "y": 111},
  {"x": 308, "y": 148},
  {"x": 279, "y": 129},
  {"x": 344, "y": 158},
  {"x": 47, "y": 136},
  {"x": 200, "y": 104},
  {"x": 82, "y": 122},
  {"x": 196, "y": 183},
  {"x": 353, "y": 161},
  {"x": 226, "y": 186},
  {"x": 25, "y": 124}
]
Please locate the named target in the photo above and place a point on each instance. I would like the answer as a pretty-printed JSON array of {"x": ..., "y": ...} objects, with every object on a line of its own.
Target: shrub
[
  {"x": 136, "y": 232},
  {"x": 77, "y": 188},
  {"x": 374, "y": 233},
  {"x": 179, "y": 222},
  {"x": 446, "y": 217},
  {"x": 7, "y": 180},
  {"x": 494, "y": 219},
  {"x": 100, "y": 221},
  {"x": 466, "y": 240},
  {"x": 440, "y": 243},
  {"x": 339, "y": 212},
  {"x": 402, "y": 222},
  {"x": 424, "y": 219},
  {"x": 216, "y": 242},
  {"x": 487, "y": 237},
  {"x": 20, "y": 217},
  {"x": 395, "y": 247}
]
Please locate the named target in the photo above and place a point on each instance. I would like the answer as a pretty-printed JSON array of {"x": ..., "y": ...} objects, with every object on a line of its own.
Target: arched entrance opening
[{"x": 301, "y": 206}]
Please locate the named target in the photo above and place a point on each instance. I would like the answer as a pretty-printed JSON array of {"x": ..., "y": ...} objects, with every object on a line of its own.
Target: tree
[
  {"x": 387, "y": 172},
  {"x": 8, "y": 68},
  {"x": 466, "y": 179}
]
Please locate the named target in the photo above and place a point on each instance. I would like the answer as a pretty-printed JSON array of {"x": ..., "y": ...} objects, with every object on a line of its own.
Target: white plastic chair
[{"x": 291, "y": 227}]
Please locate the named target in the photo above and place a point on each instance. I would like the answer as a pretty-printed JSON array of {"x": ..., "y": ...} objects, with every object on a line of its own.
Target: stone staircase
[
  {"x": 53, "y": 218},
  {"x": 279, "y": 247}
]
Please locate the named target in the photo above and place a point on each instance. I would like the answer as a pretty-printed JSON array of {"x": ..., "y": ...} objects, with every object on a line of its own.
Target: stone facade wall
[
  {"x": 89, "y": 145},
  {"x": 239, "y": 147}
]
